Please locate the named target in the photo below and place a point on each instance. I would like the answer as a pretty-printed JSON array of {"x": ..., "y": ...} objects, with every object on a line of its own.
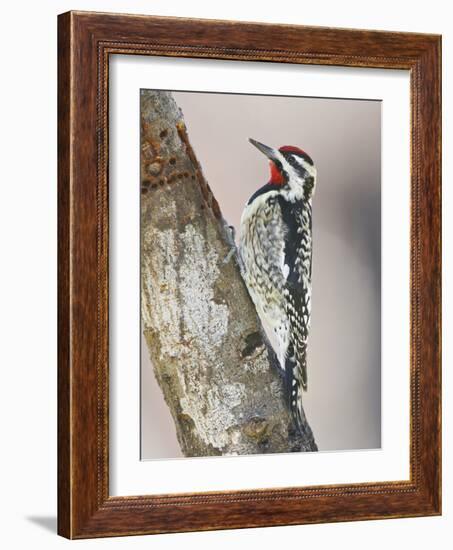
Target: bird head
[{"x": 291, "y": 168}]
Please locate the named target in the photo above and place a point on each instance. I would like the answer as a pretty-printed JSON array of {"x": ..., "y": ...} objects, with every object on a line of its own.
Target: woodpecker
[{"x": 275, "y": 249}]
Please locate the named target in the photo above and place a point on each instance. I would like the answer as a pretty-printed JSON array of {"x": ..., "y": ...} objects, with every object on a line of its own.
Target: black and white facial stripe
[
  {"x": 294, "y": 157},
  {"x": 302, "y": 168}
]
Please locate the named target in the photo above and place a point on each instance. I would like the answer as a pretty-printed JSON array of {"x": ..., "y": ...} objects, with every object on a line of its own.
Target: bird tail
[{"x": 296, "y": 381}]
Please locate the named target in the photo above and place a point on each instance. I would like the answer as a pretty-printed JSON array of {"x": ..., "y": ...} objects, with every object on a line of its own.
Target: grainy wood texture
[
  {"x": 64, "y": 367},
  {"x": 219, "y": 378},
  {"x": 85, "y": 42}
]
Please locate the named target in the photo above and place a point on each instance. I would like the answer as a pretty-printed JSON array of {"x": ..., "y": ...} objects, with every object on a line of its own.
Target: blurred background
[{"x": 343, "y": 401}]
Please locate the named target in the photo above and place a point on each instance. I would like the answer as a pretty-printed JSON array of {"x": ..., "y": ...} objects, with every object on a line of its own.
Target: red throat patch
[{"x": 276, "y": 175}]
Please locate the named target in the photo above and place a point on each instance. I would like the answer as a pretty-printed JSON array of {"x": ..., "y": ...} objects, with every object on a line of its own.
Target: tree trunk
[{"x": 210, "y": 356}]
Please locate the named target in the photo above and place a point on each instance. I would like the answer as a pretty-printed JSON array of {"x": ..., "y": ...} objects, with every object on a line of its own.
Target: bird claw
[
  {"x": 231, "y": 238},
  {"x": 233, "y": 232},
  {"x": 230, "y": 254}
]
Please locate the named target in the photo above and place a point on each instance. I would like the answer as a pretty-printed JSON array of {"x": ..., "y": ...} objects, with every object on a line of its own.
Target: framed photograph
[{"x": 249, "y": 275}]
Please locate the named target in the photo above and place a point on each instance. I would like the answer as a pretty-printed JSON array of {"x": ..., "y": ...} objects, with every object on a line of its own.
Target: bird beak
[{"x": 270, "y": 153}]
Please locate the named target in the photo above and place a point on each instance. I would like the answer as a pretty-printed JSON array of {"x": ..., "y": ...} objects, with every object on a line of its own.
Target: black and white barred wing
[
  {"x": 298, "y": 258},
  {"x": 299, "y": 318}
]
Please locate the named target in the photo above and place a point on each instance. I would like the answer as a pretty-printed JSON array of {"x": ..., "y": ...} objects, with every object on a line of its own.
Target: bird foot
[
  {"x": 231, "y": 238},
  {"x": 230, "y": 254}
]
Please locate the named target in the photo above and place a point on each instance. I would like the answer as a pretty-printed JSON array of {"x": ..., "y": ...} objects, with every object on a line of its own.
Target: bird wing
[{"x": 297, "y": 291}]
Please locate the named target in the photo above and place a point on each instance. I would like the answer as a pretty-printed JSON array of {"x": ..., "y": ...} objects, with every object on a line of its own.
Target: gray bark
[{"x": 210, "y": 356}]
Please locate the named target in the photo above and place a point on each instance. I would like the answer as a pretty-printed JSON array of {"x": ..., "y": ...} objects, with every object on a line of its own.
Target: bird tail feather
[{"x": 296, "y": 381}]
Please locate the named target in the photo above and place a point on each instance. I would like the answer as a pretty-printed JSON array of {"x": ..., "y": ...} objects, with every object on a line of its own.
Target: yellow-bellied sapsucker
[{"x": 276, "y": 255}]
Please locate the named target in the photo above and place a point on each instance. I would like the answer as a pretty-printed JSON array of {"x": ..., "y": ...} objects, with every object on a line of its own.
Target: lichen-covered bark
[{"x": 205, "y": 341}]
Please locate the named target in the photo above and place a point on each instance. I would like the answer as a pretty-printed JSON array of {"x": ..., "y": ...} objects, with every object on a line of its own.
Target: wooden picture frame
[{"x": 85, "y": 42}]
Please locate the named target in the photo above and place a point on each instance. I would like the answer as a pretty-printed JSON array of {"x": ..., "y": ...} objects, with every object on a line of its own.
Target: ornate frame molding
[{"x": 85, "y": 41}]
